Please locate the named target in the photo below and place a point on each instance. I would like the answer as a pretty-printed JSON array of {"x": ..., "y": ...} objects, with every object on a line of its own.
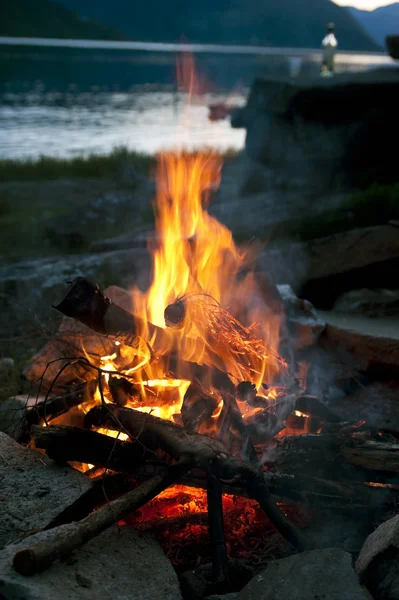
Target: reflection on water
[{"x": 67, "y": 125}]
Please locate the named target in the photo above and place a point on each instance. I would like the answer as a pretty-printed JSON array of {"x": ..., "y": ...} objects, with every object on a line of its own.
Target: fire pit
[{"x": 186, "y": 404}]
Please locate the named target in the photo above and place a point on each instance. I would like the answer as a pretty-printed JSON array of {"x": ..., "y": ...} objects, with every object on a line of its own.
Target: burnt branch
[
  {"x": 85, "y": 302},
  {"x": 63, "y": 443}
]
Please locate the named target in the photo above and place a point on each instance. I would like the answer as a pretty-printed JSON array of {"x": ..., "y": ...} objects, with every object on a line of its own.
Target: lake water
[
  {"x": 72, "y": 100},
  {"x": 145, "y": 121}
]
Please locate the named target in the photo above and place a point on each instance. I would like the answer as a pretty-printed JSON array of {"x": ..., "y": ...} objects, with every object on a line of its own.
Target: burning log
[
  {"x": 203, "y": 452},
  {"x": 62, "y": 543},
  {"x": 63, "y": 443},
  {"x": 157, "y": 434},
  {"x": 54, "y": 407},
  {"x": 85, "y": 302},
  {"x": 197, "y": 408},
  {"x": 337, "y": 453}
]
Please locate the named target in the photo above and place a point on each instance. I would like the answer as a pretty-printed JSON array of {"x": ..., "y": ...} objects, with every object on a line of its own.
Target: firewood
[
  {"x": 220, "y": 560},
  {"x": 378, "y": 456},
  {"x": 71, "y": 537},
  {"x": 85, "y": 302},
  {"x": 58, "y": 405},
  {"x": 63, "y": 443},
  {"x": 157, "y": 434},
  {"x": 203, "y": 452},
  {"x": 197, "y": 407}
]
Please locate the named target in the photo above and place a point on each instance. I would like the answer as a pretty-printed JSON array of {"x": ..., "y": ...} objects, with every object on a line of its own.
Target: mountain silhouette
[
  {"x": 380, "y": 22},
  {"x": 298, "y": 23}
]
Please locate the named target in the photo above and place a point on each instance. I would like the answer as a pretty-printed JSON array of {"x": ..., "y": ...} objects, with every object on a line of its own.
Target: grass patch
[
  {"x": 115, "y": 165},
  {"x": 374, "y": 206}
]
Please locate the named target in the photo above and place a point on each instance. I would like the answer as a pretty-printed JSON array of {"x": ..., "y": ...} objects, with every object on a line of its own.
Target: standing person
[{"x": 329, "y": 45}]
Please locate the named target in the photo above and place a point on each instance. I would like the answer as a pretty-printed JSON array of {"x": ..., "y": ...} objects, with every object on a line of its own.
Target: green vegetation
[{"x": 110, "y": 166}]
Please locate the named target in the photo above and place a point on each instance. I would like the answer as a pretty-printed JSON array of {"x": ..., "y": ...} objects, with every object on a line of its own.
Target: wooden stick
[
  {"x": 63, "y": 443},
  {"x": 157, "y": 434},
  {"x": 54, "y": 407},
  {"x": 220, "y": 559},
  {"x": 85, "y": 302},
  {"x": 61, "y": 544}
]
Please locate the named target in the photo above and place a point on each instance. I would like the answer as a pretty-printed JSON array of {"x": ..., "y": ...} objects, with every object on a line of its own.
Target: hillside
[
  {"x": 44, "y": 18},
  {"x": 266, "y": 22},
  {"x": 379, "y": 22}
]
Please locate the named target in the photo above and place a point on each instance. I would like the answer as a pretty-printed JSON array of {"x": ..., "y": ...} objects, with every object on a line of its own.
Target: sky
[{"x": 364, "y": 4}]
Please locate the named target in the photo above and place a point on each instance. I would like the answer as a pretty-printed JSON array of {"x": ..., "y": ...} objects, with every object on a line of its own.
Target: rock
[
  {"x": 197, "y": 583},
  {"x": 370, "y": 303},
  {"x": 377, "y": 404},
  {"x": 318, "y": 127},
  {"x": 392, "y": 42},
  {"x": 311, "y": 575},
  {"x": 12, "y": 412},
  {"x": 305, "y": 324},
  {"x": 6, "y": 368},
  {"x": 28, "y": 289},
  {"x": 46, "y": 276},
  {"x": 34, "y": 490},
  {"x": 386, "y": 536},
  {"x": 127, "y": 241},
  {"x": 353, "y": 249},
  {"x": 119, "y": 563},
  {"x": 378, "y": 563},
  {"x": 232, "y": 596},
  {"x": 325, "y": 268},
  {"x": 75, "y": 230},
  {"x": 376, "y": 341}
]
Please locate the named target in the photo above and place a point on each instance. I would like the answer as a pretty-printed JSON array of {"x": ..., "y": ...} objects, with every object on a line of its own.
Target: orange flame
[{"x": 225, "y": 322}]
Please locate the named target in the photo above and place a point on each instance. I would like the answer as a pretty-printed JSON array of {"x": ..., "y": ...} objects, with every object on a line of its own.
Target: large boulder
[
  {"x": 392, "y": 42},
  {"x": 378, "y": 563},
  {"x": 326, "y": 128},
  {"x": 28, "y": 289},
  {"x": 324, "y": 268},
  {"x": 119, "y": 563},
  {"x": 376, "y": 341},
  {"x": 305, "y": 325},
  {"x": 307, "y": 576},
  {"x": 370, "y": 303},
  {"x": 34, "y": 490}
]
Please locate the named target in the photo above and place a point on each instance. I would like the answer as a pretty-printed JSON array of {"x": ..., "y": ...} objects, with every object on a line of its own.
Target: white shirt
[{"x": 329, "y": 43}]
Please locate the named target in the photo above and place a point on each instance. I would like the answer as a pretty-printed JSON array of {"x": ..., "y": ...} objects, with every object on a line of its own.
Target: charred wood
[
  {"x": 220, "y": 559},
  {"x": 48, "y": 410},
  {"x": 197, "y": 408},
  {"x": 374, "y": 456},
  {"x": 85, "y": 302},
  {"x": 63, "y": 443}
]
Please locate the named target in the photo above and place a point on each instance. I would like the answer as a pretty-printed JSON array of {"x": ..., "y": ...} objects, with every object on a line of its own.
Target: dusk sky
[{"x": 364, "y": 4}]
